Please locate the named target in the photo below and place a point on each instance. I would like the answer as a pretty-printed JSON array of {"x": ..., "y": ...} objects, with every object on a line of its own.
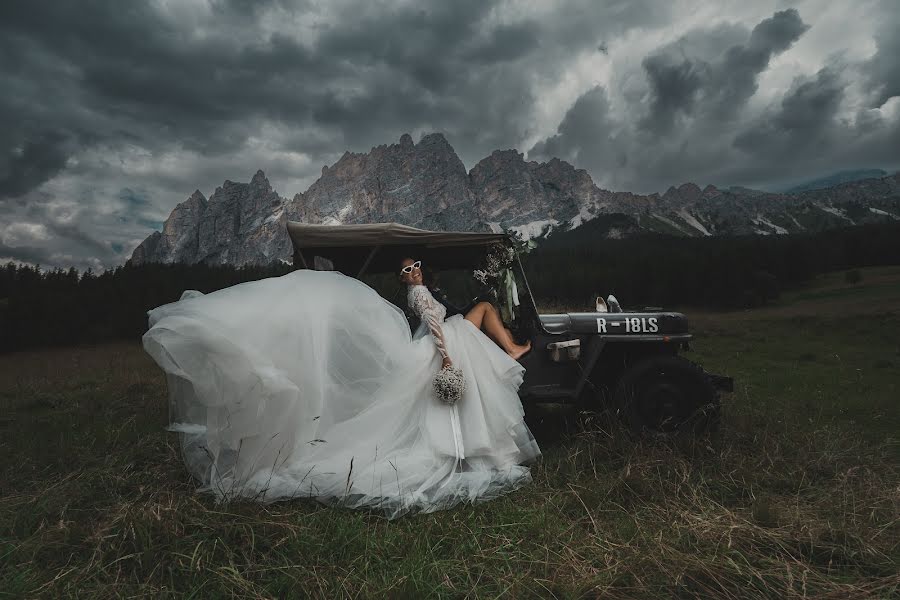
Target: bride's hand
[{"x": 446, "y": 363}]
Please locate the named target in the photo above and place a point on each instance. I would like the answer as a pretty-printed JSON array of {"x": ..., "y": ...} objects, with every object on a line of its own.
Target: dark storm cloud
[
  {"x": 586, "y": 134},
  {"x": 110, "y": 72},
  {"x": 807, "y": 116},
  {"x": 682, "y": 84},
  {"x": 742, "y": 65},
  {"x": 446, "y": 67},
  {"x": 252, "y": 8},
  {"x": 675, "y": 84},
  {"x": 695, "y": 122},
  {"x": 113, "y": 112},
  {"x": 141, "y": 76},
  {"x": 73, "y": 233},
  {"x": 505, "y": 42},
  {"x": 883, "y": 70},
  {"x": 28, "y": 254},
  {"x": 32, "y": 162},
  {"x": 104, "y": 95},
  {"x": 812, "y": 105},
  {"x": 412, "y": 40},
  {"x": 123, "y": 73}
]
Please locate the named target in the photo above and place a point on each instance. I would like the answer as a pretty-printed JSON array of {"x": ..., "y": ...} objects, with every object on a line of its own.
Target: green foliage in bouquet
[{"x": 495, "y": 272}]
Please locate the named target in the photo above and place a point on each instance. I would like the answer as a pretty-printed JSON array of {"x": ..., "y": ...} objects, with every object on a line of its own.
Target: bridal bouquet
[
  {"x": 449, "y": 384},
  {"x": 496, "y": 272}
]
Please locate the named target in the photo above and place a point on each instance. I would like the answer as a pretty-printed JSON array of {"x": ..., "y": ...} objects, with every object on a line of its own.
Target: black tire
[{"x": 666, "y": 395}]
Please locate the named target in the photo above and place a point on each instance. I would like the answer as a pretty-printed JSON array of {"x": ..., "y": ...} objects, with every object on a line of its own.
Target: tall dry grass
[{"x": 796, "y": 495}]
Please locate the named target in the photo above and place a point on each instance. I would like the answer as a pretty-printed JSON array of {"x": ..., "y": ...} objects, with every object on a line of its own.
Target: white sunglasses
[{"x": 409, "y": 268}]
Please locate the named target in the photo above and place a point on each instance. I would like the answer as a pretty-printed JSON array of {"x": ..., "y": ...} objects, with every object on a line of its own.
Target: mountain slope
[
  {"x": 837, "y": 179},
  {"x": 426, "y": 185}
]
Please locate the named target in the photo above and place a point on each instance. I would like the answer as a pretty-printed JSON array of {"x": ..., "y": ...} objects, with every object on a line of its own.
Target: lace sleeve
[{"x": 424, "y": 306}]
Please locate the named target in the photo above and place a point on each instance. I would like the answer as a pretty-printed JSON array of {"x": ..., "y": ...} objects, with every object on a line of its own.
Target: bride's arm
[{"x": 423, "y": 306}]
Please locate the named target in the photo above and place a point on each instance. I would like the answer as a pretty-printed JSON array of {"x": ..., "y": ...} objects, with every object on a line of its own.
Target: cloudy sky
[{"x": 113, "y": 112}]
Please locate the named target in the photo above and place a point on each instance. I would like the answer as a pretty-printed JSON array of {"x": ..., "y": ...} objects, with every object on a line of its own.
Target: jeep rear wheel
[{"x": 665, "y": 395}]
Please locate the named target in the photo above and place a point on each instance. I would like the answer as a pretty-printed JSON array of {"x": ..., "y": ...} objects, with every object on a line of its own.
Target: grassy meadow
[{"x": 796, "y": 495}]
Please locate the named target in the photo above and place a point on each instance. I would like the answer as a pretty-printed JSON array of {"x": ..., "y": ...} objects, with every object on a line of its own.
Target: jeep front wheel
[{"x": 665, "y": 395}]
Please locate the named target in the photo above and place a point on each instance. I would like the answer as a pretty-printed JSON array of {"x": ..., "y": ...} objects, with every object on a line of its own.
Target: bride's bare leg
[
  {"x": 495, "y": 328},
  {"x": 486, "y": 317}
]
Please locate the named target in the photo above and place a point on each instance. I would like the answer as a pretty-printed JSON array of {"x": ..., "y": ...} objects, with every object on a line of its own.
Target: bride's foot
[{"x": 519, "y": 350}]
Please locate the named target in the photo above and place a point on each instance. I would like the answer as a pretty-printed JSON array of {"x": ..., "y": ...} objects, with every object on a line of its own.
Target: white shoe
[
  {"x": 613, "y": 304},
  {"x": 601, "y": 305}
]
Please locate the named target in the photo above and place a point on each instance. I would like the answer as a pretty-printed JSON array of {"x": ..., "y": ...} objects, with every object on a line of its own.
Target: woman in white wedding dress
[{"x": 310, "y": 385}]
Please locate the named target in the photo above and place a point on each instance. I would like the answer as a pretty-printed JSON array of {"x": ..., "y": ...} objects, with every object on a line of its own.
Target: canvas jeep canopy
[{"x": 379, "y": 247}]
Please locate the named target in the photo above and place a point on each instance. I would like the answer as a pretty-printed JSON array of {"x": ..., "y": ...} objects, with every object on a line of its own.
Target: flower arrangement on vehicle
[{"x": 496, "y": 273}]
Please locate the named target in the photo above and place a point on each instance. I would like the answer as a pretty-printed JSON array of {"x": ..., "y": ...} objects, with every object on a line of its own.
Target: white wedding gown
[{"x": 310, "y": 385}]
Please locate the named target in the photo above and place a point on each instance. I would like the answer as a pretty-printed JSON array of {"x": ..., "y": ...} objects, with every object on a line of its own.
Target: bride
[{"x": 310, "y": 385}]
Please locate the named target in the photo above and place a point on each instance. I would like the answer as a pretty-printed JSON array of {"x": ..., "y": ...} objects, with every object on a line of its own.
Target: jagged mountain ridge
[
  {"x": 688, "y": 210},
  {"x": 426, "y": 185},
  {"x": 835, "y": 179}
]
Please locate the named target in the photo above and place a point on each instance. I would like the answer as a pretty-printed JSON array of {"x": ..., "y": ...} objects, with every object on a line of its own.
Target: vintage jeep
[{"x": 627, "y": 361}]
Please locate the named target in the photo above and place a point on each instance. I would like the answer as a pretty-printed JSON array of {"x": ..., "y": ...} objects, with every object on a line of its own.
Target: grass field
[{"x": 796, "y": 495}]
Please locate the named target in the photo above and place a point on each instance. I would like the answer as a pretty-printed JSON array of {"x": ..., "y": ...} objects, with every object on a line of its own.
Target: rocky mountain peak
[
  {"x": 738, "y": 189},
  {"x": 560, "y": 170},
  {"x": 684, "y": 193},
  {"x": 261, "y": 190},
  {"x": 433, "y": 139},
  {"x": 404, "y": 182},
  {"x": 259, "y": 179},
  {"x": 689, "y": 191},
  {"x": 425, "y": 184},
  {"x": 531, "y": 197},
  {"x": 497, "y": 161}
]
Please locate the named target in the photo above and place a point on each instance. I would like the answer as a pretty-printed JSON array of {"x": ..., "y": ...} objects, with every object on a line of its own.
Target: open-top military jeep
[{"x": 627, "y": 361}]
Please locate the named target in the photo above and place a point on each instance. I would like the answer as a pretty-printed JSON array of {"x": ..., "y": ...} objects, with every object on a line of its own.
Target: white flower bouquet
[
  {"x": 498, "y": 258},
  {"x": 449, "y": 384},
  {"x": 495, "y": 272}
]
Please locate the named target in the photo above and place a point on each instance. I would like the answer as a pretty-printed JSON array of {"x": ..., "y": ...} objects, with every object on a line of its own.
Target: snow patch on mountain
[
  {"x": 836, "y": 212},
  {"x": 693, "y": 222},
  {"x": 761, "y": 220},
  {"x": 274, "y": 216},
  {"x": 669, "y": 221},
  {"x": 584, "y": 214},
  {"x": 340, "y": 217},
  {"x": 884, "y": 213},
  {"x": 535, "y": 228}
]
